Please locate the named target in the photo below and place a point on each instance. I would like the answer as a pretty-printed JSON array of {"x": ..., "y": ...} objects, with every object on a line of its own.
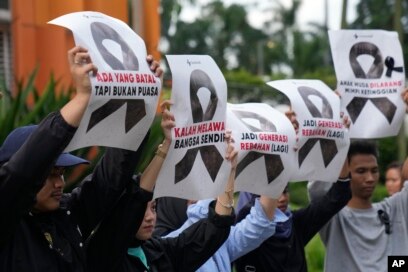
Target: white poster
[
  {"x": 265, "y": 139},
  {"x": 370, "y": 78},
  {"x": 195, "y": 167},
  {"x": 323, "y": 141},
  {"x": 125, "y": 92}
]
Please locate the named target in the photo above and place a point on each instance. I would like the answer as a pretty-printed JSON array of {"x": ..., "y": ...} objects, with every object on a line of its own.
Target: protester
[
  {"x": 393, "y": 180},
  {"x": 41, "y": 228},
  {"x": 363, "y": 234},
  {"x": 249, "y": 233},
  {"x": 284, "y": 251},
  {"x": 135, "y": 213}
]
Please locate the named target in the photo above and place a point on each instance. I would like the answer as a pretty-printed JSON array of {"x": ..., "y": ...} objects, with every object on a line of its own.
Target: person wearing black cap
[{"x": 43, "y": 229}]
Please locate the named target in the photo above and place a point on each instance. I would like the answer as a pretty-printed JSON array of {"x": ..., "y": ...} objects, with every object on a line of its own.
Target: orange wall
[
  {"x": 37, "y": 43},
  {"x": 151, "y": 27}
]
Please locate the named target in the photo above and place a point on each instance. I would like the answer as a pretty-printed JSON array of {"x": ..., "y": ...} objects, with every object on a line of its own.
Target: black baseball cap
[{"x": 17, "y": 138}]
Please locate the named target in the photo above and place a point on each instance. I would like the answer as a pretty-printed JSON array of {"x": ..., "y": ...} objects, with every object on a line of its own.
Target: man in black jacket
[{"x": 41, "y": 228}]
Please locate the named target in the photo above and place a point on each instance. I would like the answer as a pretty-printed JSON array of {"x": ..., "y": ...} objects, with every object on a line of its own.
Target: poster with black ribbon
[
  {"x": 265, "y": 139},
  {"x": 195, "y": 167},
  {"x": 323, "y": 140},
  {"x": 125, "y": 92},
  {"x": 370, "y": 78}
]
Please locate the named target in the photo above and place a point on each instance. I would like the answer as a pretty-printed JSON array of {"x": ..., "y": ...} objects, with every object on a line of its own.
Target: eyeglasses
[{"x": 57, "y": 171}]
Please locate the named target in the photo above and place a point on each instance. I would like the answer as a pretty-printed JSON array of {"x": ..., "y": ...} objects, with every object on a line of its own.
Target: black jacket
[
  {"x": 288, "y": 254},
  {"x": 184, "y": 253},
  {"x": 171, "y": 214},
  {"x": 54, "y": 241}
]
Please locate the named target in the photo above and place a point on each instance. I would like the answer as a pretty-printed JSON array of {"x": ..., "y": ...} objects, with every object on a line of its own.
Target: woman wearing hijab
[{"x": 128, "y": 228}]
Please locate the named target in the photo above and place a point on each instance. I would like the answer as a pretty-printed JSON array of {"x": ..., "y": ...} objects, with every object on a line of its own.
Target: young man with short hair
[{"x": 363, "y": 234}]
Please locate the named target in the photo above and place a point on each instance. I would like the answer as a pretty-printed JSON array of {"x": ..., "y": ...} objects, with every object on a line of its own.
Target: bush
[
  {"x": 298, "y": 194},
  {"x": 28, "y": 105},
  {"x": 315, "y": 252}
]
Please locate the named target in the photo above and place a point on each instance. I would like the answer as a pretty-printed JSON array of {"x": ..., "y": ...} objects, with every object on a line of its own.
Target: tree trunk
[{"x": 402, "y": 150}]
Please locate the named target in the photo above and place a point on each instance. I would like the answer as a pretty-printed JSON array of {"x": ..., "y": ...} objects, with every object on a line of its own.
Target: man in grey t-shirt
[{"x": 363, "y": 234}]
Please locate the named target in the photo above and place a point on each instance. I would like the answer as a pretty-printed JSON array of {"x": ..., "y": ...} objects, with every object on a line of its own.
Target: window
[
  {"x": 5, "y": 56},
  {"x": 6, "y": 65},
  {"x": 4, "y": 4}
]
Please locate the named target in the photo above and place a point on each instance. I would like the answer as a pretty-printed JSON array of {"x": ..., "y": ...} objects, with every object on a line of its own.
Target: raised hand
[
  {"x": 154, "y": 66},
  {"x": 81, "y": 65},
  {"x": 404, "y": 95},
  {"x": 168, "y": 121}
]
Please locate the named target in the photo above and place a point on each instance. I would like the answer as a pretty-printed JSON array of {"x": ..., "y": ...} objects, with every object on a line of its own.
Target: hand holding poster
[
  {"x": 195, "y": 167},
  {"x": 265, "y": 139},
  {"x": 370, "y": 78},
  {"x": 125, "y": 92},
  {"x": 323, "y": 141}
]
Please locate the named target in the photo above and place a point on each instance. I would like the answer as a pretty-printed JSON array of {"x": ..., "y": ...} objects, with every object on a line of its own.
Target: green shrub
[
  {"x": 388, "y": 150},
  {"x": 315, "y": 252},
  {"x": 15, "y": 110},
  {"x": 379, "y": 193},
  {"x": 298, "y": 194}
]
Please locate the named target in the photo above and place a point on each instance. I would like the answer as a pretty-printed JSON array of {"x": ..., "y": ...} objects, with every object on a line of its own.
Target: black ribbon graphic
[
  {"x": 366, "y": 48},
  {"x": 328, "y": 147},
  {"x": 390, "y": 63},
  {"x": 210, "y": 155},
  {"x": 273, "y": 162},
  {"x": 101, "y": 32},
  {"x": 356, "y": 105},
  {"x": 135, "y": 111},
  {"x": 383, "y": 104},
  {"x": 135, "y": 108}
]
